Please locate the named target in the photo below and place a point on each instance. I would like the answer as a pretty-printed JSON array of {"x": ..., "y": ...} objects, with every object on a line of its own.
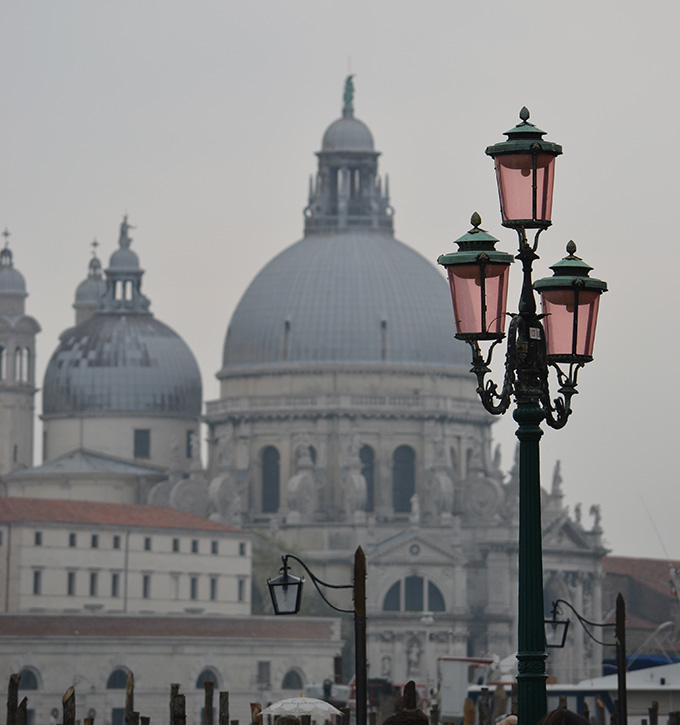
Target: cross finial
[
  {"x": 94, "y": 244},
  {"x": 6, "y": 235}
]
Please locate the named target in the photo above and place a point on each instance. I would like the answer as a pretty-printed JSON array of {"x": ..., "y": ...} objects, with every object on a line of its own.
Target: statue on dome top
[
  {"x": 124, "y": 240},
  {"x": 348, "y": 95}
]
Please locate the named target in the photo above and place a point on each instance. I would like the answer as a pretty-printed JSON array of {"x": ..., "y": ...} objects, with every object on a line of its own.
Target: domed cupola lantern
[{"x": 525, "y": 173}]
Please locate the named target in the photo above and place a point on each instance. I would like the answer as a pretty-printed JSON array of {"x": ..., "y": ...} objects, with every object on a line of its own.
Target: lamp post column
[
  {"x": 360, "y": 669},
  {"x": 531, "y": 654}
]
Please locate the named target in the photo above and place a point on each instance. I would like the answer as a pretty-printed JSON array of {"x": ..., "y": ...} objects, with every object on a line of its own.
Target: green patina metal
[
  {"x": 475, "y": 246},
  {"x": 523, "y": 138},
  {"x": 570, "y": 271}
]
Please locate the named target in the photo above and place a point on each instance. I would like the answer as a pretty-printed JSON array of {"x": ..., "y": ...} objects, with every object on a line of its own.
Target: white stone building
[
  {"x": 254, "y": 659},
  {"x": 78, "y": 556}
]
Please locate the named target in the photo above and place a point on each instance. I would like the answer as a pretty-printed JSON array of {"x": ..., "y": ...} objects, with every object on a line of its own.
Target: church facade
[{"x": 347, "y": 417}]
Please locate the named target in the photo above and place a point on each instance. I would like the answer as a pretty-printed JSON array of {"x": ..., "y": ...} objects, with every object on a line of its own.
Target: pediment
[
  {"x": 565, "y": 534},
  {"x": 411, "y": 547}
]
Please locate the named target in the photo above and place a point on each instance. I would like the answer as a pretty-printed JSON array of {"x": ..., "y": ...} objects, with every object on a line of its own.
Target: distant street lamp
[
  {"x": 563, "y": 334},
  {"x": 286, "y": 594},
  {"x": 556, "y": 636}
]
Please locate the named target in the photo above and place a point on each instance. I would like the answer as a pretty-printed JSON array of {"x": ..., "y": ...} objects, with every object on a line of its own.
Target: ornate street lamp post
[
  {"x": 560, "y": 337},
  {"x": 286, "y": 594}
]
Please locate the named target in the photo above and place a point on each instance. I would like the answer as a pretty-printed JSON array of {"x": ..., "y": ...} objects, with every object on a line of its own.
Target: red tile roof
[
  {"x": 43, "y": 625},
  {"x": 653, "y": 573},
  {"x": 56, "y": 511}
]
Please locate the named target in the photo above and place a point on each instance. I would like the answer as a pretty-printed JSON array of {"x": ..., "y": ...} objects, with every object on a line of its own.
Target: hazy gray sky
[{"x": 200, "y": 119}]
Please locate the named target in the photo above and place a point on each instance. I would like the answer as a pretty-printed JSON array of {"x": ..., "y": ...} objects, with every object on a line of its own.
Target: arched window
[
  {"x": 414, "y": 594},
  {"x": 26, "y": 371},
  {"x": 3, "y": 363},
  {"x": 117, "y": 679},
  {"x": 271, "y": 476},
  {"x": 18, "y": 364},
  {"x": 207, "y": 675},
  {"x": 292, "y": 681},
  {"x": 29, "y": 679},
  {"x": 367, "y": 457},
  {"x": 403, "y": 478}
]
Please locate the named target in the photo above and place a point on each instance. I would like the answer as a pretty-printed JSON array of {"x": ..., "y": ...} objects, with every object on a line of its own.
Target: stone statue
[
  {"x": 225, "y": 451},
  {"x": 413, "y": 658},
  {"x": 577, "y": 513},
  {"x": 415, "y": 509},
  {"x": 596, "y": 513},
  {"x": 124, "y": 239},
  {"x": 348, "y": 95},
  {"x": 557, "y": 480},
  {"x": 303, "y": 451}
]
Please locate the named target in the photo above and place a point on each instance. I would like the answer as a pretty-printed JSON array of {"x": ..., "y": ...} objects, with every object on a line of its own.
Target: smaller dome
[
  {"x": 347, "y": 134},
  {"x": 90, "y": 290},
  {"x": 11, "y": 280},
  {"x": 124, "y": 259}
]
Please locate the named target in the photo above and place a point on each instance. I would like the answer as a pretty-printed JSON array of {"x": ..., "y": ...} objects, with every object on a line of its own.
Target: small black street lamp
[
  {"x": 561, "y": 335},
  {"x": 556, "y": 635},
  {"x": 286, "y": 594}
]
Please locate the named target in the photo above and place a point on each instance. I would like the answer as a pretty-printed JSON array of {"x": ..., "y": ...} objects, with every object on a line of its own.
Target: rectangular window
[
  {"x": 264, "y": 674},
  {"x": 37, "y": 538},
  {"x": 213, "y": 588},
  {"x": 0, "y": 538},
  {"x": 241, "y": 548},
  {"x": 142, "y": 443},
  {"x": 116, "y": 541},
  {"x": 94, "y": 541},
  {"x": 71, "y": 584},
  {"x": 213, "y": 547},
  {"x": 241, "y": 590},
  {"x": 37, "y": 581},
  {"x": 93, "y": 583},
  {"x": 147, "y": 543},
  {"x": 175, "y": 545},
  {"x": 194, "y": 546},
  {"x": 146, "y": 586},
  {"x": 72, "y": 540},
  {"x": 193, "y": 587},
  {"x": 115, "y": 584},
  {"x": 118, "y": 716},
  {"x": 190, "y": 444}
]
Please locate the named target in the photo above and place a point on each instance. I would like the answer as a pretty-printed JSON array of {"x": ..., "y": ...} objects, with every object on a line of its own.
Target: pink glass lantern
[
  {"x": 525, "y": 173},
  {"x": 478, "y": 279},
  {"x": 570, "y": 301}
]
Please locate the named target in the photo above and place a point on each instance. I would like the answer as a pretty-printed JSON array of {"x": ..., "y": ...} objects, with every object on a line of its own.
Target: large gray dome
[
  {"x": 353, "y": 297},
  {"x": 123, "y": 364}
]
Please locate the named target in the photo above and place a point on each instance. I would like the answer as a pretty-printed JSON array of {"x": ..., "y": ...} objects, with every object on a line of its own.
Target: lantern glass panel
[
  {"x": 470, "y": 283},
  {"x": 286, "y": 593},
  {"x": 565, "y": 334},
  {"x": 514, "y": 176}
]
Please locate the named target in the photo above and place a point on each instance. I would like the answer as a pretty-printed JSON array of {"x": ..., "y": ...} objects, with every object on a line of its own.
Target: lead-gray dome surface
[
  {"x": 354, "y": 297},
  {"x": 125, "y": 364}
]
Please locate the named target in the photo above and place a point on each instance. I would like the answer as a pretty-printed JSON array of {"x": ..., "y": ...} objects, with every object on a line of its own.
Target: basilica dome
[{"x": 351, "y": 298}]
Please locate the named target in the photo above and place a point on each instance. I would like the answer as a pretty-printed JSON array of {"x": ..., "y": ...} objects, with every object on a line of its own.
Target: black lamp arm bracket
[
  {"x": 487, "y": 389},
  {"x": 558, "y": 411},
  {"x": 585, "y": 623},
  {"x": 318, "y": 583}
]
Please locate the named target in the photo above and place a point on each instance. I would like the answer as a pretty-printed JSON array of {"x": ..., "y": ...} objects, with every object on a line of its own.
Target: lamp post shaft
[
  {"x": 531, "y": 654},
  {"x": 360, "y": 669}
]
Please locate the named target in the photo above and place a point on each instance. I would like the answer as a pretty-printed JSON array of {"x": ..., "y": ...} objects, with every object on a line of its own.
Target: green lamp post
[{"x": 562, "y": 335}]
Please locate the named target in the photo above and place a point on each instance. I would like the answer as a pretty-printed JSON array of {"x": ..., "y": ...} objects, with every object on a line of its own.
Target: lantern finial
[
  {"x": 524, "y": 114},
  {"x": 571, "y": 247},
  {"x": 475, "y": 220}
]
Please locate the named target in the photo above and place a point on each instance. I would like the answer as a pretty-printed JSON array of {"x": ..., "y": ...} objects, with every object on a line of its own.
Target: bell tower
[{"x": 17, "y": 367}]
